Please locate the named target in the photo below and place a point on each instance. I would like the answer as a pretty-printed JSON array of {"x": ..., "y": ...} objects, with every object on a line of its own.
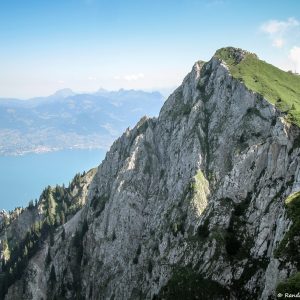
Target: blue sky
[{"x": 147, "y": 44}]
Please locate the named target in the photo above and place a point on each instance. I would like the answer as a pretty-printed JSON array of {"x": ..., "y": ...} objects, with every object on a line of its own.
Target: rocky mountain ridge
[{"x": 189, "y": 205}]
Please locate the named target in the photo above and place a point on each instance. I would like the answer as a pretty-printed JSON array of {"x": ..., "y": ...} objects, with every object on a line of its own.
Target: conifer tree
[
  {"x": 62, "y": 218},
  {"x": 48, "y": 258},
  {"x": 52, "y": 277},
  {"x": 51, "y": 237},
  {"x": 63, "y": 234}
]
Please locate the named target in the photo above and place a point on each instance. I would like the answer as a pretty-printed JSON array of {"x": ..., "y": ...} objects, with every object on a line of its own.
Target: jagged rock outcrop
[{"x": 193, "y": 198}]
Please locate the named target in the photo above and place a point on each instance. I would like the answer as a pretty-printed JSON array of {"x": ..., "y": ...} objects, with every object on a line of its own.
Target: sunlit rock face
[{"x": 197, "y": 192}]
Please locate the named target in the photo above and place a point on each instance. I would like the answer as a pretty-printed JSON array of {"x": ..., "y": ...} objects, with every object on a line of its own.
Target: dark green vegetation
[
  {"x": 280, "y": 88},
  {"x": 76, "y": 259},
  {"x": 291, "y": 285},
  {"x": 187, "y": 284},
  {"x": 290, "y": 245},
  {"x": 289, "y": 248},
  {"x": 238, "y": 245},
  {"x": 58, "y": 206},
  {"x": 98, "y": 204},
  {"x": 203, "y": 230},
  {"x": 179, "y": 108},
  {"x": 77, "y": 241}
]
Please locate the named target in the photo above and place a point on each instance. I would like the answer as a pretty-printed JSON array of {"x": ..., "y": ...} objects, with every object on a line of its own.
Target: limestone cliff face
[{"x": 199, "y": 190}]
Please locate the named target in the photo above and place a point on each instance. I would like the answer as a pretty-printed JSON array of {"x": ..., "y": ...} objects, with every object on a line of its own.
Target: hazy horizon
[
  {"x": 164, "y": 92},
  {"x": 147, "y": 45}
]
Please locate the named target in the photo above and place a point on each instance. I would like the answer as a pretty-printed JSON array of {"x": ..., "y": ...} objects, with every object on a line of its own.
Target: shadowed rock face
[{"x": 196, "y": 195}]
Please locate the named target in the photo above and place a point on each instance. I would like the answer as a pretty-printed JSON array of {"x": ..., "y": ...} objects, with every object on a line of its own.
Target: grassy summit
[{"x": 278, "y": 87}]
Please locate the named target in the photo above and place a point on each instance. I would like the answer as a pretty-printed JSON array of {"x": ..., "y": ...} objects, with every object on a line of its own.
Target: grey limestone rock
[{"x": 177, "y": 191}]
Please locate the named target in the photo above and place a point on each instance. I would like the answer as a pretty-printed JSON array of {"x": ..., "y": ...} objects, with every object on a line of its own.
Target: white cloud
[
  {"x": 275, "y": 26},
  {"x": 277, "y": 30},
  {"x": 92, "y": 78},
  {"x": 110, "y": 129},
  {"x": 130, "y": 77},
  {"x": 60, "y": 81},
  {"x": 278, "y": 43},
  {"x": 294, "y": 56}
]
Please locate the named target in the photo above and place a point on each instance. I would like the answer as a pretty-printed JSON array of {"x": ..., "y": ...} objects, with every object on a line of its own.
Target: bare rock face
[{"x": 196, "y": 193}]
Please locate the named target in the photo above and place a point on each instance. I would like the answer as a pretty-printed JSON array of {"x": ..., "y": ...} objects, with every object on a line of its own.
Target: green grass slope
[
  {"x": 278, "y": 87},
  {"x": 289, "y": 246}
]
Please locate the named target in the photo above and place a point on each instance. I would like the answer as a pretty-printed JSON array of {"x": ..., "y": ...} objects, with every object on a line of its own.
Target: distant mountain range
[{"x": 69, "y": 120}]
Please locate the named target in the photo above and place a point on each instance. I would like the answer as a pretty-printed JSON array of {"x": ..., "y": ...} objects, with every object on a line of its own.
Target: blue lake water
[{"x": 23, "y": 178}]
